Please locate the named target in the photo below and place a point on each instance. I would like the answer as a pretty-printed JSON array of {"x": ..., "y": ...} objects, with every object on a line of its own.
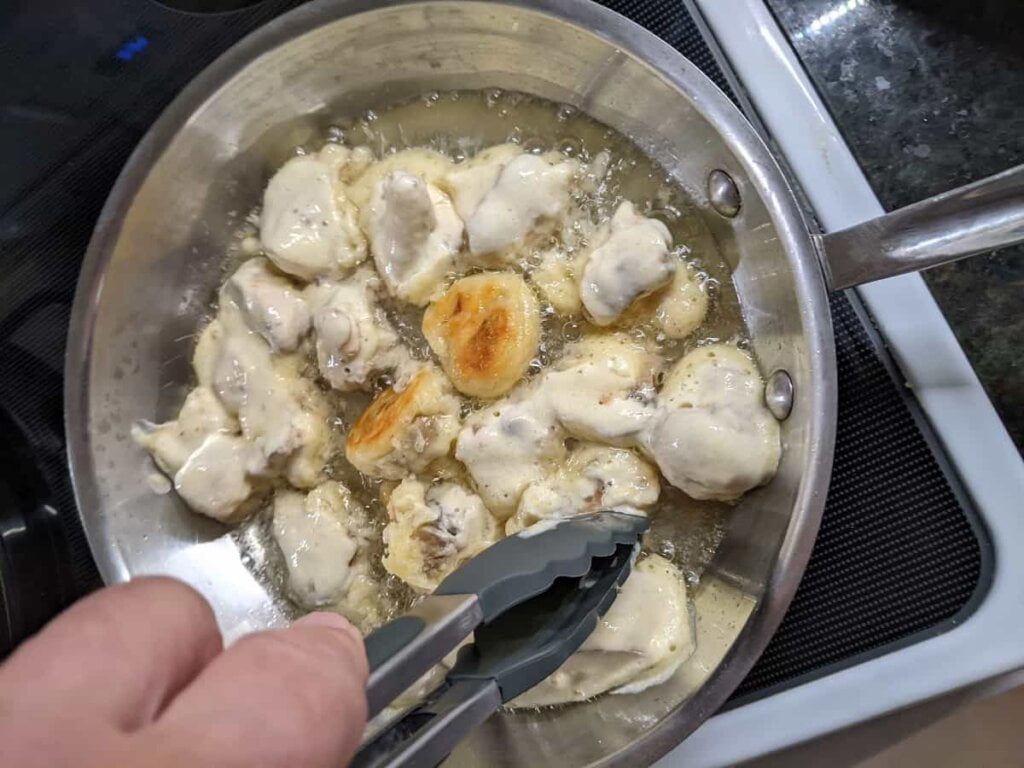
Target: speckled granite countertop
[{"x": 930, "y": 95}]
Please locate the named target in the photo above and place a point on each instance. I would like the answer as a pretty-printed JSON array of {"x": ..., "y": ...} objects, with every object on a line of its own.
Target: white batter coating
[
  {"x": 415, "y": 235},
  {"x": 555, "y": 278},
  {"x": 426, "y": 164},
  {"x": 714, "y": 438},
  {"x": 324, "y": 536},
  {"x": 603, "y": 389},
  {"x": 355, "y": 341},
  {"x": 530, "y": 191},
  {"x": 632, "y": 260},
  {"x": 679, "y": 308},
  {"x": 309, "y": 227},
  {"x": 172, "y": 442},
  {"x": 470, "y": 181},
  {"x": 271, "y": 304},
  {"x": 509, "y": 445},
  {"x": 215, "y": 479},
  {"x": 281, "y": 413}
]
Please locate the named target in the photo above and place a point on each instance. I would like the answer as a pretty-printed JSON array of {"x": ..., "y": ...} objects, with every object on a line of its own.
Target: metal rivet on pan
[
  {"x": 778, "y": 394},
  {"x": 723, "y": 193}
]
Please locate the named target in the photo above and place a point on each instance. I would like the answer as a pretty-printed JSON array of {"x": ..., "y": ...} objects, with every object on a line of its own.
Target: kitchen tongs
[{"x": 531, "y": 600}]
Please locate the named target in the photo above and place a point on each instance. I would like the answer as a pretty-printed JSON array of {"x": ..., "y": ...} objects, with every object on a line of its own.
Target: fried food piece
[
  {"x": 594, "y": 477},
  {"x": 714, "y": 438},
  {"x": 603, "y": 389},
  {"x": 325, "y": 538},
  {"x": 509, "y": 445},
  {"x": 555, "y": 278},
  {"x": 214, "y": 480},
  {"x": 679, "y": 308},
  {"x": 631, "y": 260},
  {"x": 484, "y": 330},
  {"x": 430, "y": 166},
  {"x": 281, "y": 413},
  {"x": 308, "y": 226},
  {"x": 469, "y": 182},
  {"x": 404, "y": 430},
  {"x": 507, "y": 197},
  {"x": 355, "y": 341},
  {"x": 432, "y": 530},
  {"x": 415, "y": 236},
  {"x": 272, "y": 306},
  {"x": 171, "y": 443}
]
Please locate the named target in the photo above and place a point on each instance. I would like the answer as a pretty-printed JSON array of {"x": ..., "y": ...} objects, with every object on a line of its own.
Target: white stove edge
[{"x": 988, "y": 643}]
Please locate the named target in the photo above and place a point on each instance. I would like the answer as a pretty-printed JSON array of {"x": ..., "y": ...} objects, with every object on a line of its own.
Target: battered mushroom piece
[
  {"x": 325, "y": 537},
  {"x": 714, "y": 438},
  {"x": 215, "y": 479},
  {"x": 631, "y": 260},
  {"x": 171, "y": 443},
  {"x": 679, "y": 308},
  {"x": 404, "y": 429},
  {"x": 555, "y": 278},
  {"x": 528, "y": 194},
  {"x": 469, "y": 181},
  {"x": 355, "y": 341},
  {"x": 426, "y": 164},
  {"x": 281, "y": 413},
  {"x": 415, "y": 236},
  {"x": 484, "y": 330},
  {"x": 433, "y": 530},
  {"x": 272, "y": 306},
  {"x": 640, "y": 642},
  {"x": 603, "y": 389},
  {"x": 509, "y": 445},
  {"x": 308, "y": 226},
  {"x": 594, "y": 477},
  {"x": 243, "y": 388}
]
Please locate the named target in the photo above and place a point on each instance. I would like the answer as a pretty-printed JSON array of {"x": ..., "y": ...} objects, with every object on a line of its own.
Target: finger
[
  {"x": 118, "y": 655},
  {"x": 281, "y": 698}
]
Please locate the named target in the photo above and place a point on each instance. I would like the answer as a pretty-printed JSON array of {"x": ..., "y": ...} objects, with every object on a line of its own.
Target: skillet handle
[
  {"x": 401, "y": 651},
  {"x": 976, "y": 218}
]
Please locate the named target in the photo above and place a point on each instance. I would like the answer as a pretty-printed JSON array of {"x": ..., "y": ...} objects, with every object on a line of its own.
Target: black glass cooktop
[{"x": 900, "y": 554}]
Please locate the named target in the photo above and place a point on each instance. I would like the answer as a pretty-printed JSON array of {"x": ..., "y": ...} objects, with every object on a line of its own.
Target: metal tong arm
[
  {"x": 404, "y": 649},
  {"x": 425, "y": 736}
]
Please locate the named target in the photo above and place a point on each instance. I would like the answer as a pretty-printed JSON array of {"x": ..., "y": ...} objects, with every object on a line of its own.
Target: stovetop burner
[{"x": 900, "y": 554}]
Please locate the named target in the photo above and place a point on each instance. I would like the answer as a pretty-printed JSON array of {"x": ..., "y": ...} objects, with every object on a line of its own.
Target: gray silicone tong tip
[
  {"x": 512, "y": 571},
  {"x": 532, "y": 604},
  {"x": 524, "y": 565}
]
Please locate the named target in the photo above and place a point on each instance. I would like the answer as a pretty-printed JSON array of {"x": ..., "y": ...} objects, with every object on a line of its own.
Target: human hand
[{"x": 136, "y": 675}]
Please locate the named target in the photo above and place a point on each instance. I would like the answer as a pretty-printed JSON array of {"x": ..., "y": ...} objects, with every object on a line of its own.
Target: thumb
[{"x": 285, "y": 697}]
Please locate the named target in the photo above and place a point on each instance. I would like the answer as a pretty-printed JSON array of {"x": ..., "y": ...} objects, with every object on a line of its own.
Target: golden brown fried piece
[
  {"x": 484, "y": 330},
  {"x": 402, "y": 431}
]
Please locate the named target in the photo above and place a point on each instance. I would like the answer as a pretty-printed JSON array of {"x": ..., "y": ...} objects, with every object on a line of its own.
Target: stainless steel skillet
[{"x": 154, "y": 261}]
